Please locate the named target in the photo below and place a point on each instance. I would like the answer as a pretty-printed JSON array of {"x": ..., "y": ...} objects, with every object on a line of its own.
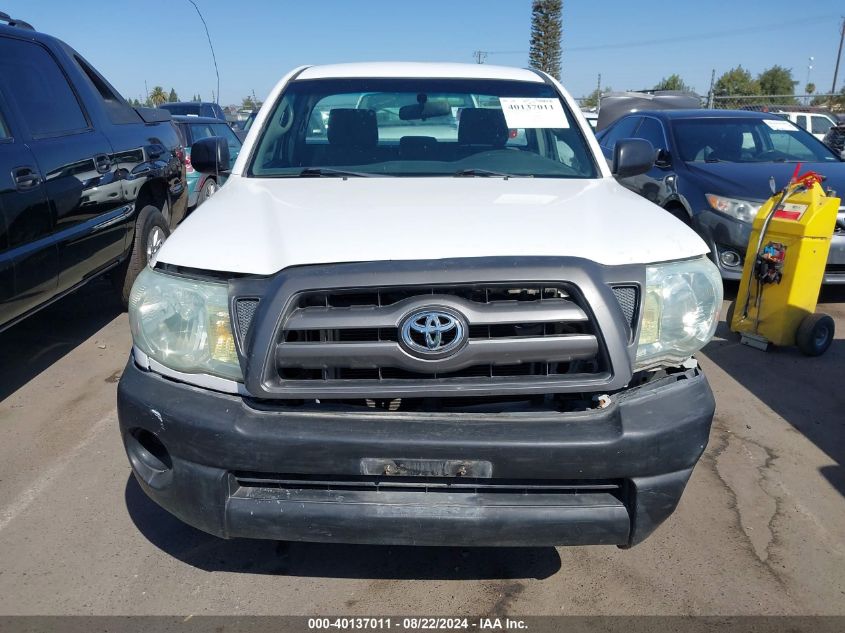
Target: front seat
[{"x": 482, "y": 127}]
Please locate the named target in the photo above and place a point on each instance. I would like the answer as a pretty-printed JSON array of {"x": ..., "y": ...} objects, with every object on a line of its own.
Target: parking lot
[{"x": 760, "y": 529}]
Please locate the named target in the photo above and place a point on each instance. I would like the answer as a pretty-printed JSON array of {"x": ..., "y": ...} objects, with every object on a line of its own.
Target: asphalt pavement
[{"x": 760, "y": 529}]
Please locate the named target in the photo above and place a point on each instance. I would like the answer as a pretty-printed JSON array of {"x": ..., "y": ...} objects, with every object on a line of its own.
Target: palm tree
[{"x": 158, "y": 96}]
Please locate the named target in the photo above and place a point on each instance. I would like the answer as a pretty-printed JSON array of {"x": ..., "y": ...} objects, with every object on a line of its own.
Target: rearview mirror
[
  {"x": 210, "y": 155},
  {"x": 632, "y": 157},
  {"x": 425, "y": 110}
]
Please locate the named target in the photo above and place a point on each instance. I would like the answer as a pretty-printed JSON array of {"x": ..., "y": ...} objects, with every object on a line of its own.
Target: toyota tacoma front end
[{"x": 436, "y": 319}]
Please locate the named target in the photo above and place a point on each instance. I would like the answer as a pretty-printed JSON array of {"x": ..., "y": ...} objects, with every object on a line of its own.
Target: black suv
[{"x": 88, "y": 184}]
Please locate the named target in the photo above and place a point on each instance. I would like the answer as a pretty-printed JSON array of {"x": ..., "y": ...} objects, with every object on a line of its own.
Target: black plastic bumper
[{"x": 608, "y": 476}]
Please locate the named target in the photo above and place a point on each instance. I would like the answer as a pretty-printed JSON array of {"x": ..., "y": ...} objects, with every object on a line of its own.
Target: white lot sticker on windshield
[
  {"x": 780, "y": 124},
  {"x": 521, "y": 112}
]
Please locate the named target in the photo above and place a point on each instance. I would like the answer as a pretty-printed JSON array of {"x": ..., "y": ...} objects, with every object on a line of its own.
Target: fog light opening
[
  {"x": 149, "y": 450},
  {"x": 730, "y": 258}
]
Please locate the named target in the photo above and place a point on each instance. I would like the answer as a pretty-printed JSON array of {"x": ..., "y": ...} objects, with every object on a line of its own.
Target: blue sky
[{"x": 632, "y": 44}]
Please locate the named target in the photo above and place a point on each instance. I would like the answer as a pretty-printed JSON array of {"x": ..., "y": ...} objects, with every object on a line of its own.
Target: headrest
[
  {"x": 411, "y": 146},
  {"x": 482, "y": 126},
  {"x": 350, "y": 127}
]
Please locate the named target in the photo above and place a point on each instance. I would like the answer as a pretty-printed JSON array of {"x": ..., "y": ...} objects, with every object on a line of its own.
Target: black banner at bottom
[{"x": 402, "y": 624}]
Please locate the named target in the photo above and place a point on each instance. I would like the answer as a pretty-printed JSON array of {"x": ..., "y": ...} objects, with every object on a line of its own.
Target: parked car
[
  {"x": 202, "y": 186},
  {"x": 243, "y": 126},
  {"x": 195, "y": 108},
  {"x": 835, "y": 140},
  {"x": 713, "y": 169},
  {"x": 814, "y": 119},
  {"x": 88, "y": 185},
  {"x": 816, "y": 123},
  {"x": 408, "y": 340},
  {"x": 592, "y": 118}
]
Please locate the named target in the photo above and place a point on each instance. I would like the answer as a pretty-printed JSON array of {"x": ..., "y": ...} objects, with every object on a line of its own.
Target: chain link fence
[{"x": 765, "y": 103}]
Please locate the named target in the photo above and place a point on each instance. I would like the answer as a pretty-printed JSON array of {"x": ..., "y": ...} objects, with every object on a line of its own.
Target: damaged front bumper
[{"x": 237, "y": 468}]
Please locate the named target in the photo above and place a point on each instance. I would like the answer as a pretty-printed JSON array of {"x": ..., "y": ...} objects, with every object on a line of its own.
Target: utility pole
[
  {"x": 711, "y": 94},
  {"x": 480, "y": 56},
  {"x": 598, "y": 94},
  {"x": 146, "y": 92},
  {"x": 838, "y": 57}
]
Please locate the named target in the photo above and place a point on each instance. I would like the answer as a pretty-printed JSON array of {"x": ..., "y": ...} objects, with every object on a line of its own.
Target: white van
[{"x": 816, "y": 123}]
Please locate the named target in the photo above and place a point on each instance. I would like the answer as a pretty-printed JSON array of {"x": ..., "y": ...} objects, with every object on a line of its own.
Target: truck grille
[{"x": 525, "y": 331}]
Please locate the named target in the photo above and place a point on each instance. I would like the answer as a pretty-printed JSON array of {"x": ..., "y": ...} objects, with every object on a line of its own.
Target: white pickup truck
[{"x": 429, "y": 323}]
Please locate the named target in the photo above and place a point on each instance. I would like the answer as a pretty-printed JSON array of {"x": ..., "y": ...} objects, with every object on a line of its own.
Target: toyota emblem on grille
[{"x": 433, "y": 333}]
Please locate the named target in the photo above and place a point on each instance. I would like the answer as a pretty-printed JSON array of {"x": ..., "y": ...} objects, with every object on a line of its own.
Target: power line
[
  {"x": 699, "y": 36},
  {"x": 213, "y": 56},
  {"x": 676, "y": 39}
]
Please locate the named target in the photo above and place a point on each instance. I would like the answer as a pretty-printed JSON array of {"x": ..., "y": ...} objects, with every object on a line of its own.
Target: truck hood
[{"x": 262, "y": 225}]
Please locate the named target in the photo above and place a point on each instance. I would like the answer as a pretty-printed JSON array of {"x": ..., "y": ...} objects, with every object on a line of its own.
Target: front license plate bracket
[{"x": 401, "y": 467}]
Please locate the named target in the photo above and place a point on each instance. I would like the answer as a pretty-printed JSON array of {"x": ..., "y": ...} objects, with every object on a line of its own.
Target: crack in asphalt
[{"x": 723, "y": 442}]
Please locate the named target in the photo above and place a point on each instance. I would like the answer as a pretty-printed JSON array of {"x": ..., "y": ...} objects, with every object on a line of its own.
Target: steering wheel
[{"x": 774, "y": 155}]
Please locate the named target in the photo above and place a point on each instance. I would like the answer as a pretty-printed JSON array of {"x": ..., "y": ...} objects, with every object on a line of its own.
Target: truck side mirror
[
  {"x": 210, "y": 155},
  {"x": 631, "y": 157}
]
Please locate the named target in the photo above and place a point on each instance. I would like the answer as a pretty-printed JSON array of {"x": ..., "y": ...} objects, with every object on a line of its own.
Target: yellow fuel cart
[{"x": 784, "y": 268}]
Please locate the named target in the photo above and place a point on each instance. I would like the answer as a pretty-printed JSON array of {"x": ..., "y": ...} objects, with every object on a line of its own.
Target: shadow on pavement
[
  {"x": 808, "y": 393},
  {"x": 37, "y": 342},
  {"x": 325, "y": 560}
]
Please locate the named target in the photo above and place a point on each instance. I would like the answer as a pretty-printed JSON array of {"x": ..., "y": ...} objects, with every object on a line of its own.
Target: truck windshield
[
  {"x": 421, "y": 127},
  {"x": 747, "y": 140}
]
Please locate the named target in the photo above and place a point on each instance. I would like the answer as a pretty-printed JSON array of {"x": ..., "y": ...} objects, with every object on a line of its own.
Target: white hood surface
[{"x": 263, "y": 225}]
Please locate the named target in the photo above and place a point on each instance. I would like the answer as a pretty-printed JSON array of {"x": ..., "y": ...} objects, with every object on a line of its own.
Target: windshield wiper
[
  {"x": 486, "y": 173},
  {"x": 319, "y": 172}
]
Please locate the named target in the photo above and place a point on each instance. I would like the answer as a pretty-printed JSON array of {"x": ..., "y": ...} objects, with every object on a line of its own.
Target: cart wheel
[
  {"x": 815, "y": 334},
  {"x": 729, "y": 314}
]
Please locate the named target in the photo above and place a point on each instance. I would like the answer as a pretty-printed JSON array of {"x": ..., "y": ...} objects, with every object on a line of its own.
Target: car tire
[
  {"x": 729, "y": 314},
  {"x": 815, "y": 334},
  {"x": 209, "y": 188},
  {"x": 150, "y": 233}
]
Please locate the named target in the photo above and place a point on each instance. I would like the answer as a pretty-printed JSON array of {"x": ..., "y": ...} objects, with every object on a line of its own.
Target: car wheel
[
  {"x": 209, "y": 188},
  {"x": 815, "y": 334},
  {"x": 729, "y": 314},
  {"x": 150, "y": 233}
]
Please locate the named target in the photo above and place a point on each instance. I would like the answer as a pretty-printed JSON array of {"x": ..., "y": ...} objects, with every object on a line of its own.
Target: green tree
[
  {"x": 248, "y": 103},
  {"x": 810, "y": 88},
  {"x": 673, "y": 82},
  {"x": 592, "y": 99},
  {"x": 836, "y": 101},
  {"x": 776, "y": 80},
  {"x": 736, "y": 81},
  {"x": 158, "y": 96},
  {"x": 546, "y": 33},
  {"x": 172, "y": 97}
]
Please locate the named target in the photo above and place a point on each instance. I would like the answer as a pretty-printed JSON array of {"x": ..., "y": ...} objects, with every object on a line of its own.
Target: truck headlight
[
  {"x": 680, "y": 311},
  {"x": 742, "y": 210},
  {"x": 184, "y": 324}
]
